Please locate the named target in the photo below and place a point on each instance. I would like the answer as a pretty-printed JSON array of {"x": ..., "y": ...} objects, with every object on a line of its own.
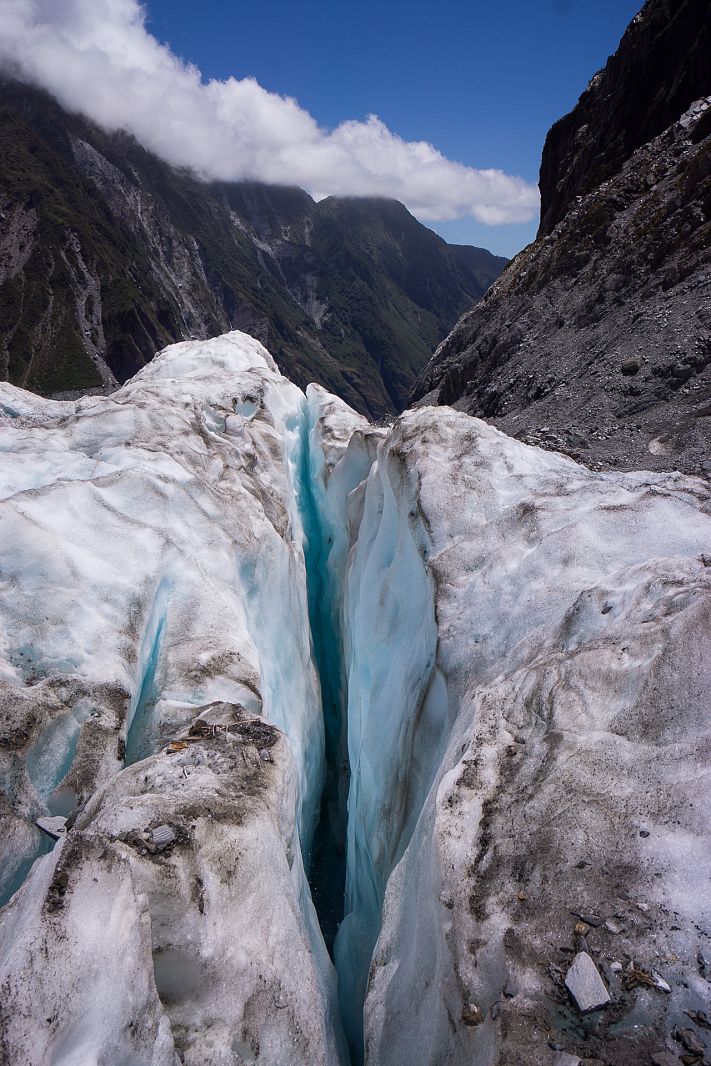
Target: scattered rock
[
  {"x": 700, "y": 1017},
  {"x": 261, "y": 734},
  {"x": 13, "y": 738},
  {"x": 593, "y": 920},
  {"x": 472, "y": 1014},
  {"x": 664, "y": 1058},
  {"x": 585, "y": 985},
  {"x": 691, "y": 1041},
  {"x": 613, "y": 927},
  {"x": 562, "y": 1058},
  {"x": 634, "y": 977},
  {"x": 162, "y": 837},
  {"x": 57, "y": 891}
]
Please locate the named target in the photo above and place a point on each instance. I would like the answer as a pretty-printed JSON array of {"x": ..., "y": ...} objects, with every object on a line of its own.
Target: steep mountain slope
[
  {"x": 597, "y": 338},
  {"x": 107, "y": 254},
  {"x": 660, "y": 68}
]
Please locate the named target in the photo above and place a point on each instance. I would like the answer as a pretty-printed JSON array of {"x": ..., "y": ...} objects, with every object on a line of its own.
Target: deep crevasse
[
  {"x": 377, "y": 626},
  {"x": 324, "y": 451},
  {"x": 325, "y": 542},
  {"x": 471, "y": 558}
]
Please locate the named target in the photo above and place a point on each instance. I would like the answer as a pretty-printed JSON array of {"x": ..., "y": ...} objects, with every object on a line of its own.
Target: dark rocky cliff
[
  {"x": 596, "y": 340},
  {"x": 660, "y": 68},
  {"x": 107, "y": 254}
]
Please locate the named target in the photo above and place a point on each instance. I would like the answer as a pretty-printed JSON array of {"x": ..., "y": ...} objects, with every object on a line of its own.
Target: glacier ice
[
  {"x": 572, "y": 614},
  {"x": 460, "y": 681},
  {"x": 153, "y": 567},
  {"x": 480, "y": 568},
  {"x": 392, "y": 663}
]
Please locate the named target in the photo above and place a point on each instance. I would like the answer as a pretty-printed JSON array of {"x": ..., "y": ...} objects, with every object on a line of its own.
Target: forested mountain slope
[{"x": 107, "y": 254}]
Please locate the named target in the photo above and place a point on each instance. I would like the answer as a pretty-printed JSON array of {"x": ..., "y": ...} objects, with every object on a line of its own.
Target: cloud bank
[{"x": 97, "y": 57}]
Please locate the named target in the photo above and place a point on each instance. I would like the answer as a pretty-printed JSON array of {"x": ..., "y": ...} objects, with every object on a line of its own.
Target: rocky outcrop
[
  {"x": 596, "y": 340},
  {"x": 660, "y": 68},
  {"x": 107, "y": 254}
]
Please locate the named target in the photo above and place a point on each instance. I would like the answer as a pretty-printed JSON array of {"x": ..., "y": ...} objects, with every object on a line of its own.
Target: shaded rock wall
[{"x": 596, "y": 340}]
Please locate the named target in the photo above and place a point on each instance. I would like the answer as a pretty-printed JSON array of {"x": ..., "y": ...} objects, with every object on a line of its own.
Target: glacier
[{"x": 354, "y": 728}]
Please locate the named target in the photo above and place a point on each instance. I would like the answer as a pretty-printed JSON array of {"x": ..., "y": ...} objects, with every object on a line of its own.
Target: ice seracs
[{"x": 246, "y": 636}]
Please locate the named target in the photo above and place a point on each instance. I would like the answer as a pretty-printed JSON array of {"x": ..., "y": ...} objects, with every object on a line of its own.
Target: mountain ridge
[
  {"x": 596, "y": 339},
  {"x": 108, "y": 254}
]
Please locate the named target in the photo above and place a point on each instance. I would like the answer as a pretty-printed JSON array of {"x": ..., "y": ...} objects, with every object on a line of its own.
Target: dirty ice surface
[{"x": 459, "y": 682}]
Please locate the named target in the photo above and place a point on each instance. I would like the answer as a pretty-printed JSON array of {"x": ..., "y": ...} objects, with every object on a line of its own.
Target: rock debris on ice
[{"x": 585, "y": 984}]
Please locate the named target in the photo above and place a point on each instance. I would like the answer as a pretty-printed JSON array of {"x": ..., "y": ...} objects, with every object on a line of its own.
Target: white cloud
[{"x": 97, "y": 57}]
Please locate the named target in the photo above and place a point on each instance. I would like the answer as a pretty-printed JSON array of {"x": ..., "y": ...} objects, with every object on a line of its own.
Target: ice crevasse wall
[{"x": 247, "y": 637}]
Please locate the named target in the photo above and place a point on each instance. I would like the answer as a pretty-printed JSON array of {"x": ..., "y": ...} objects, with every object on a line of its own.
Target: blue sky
[
  {"x": 442, "y": 106},
  {"x": 481, "y": 81}
]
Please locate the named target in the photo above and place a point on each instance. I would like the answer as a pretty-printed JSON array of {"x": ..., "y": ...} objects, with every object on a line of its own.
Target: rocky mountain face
[
  {"x": 107, "y": 254},
  {"x": 596, "y": 340}
]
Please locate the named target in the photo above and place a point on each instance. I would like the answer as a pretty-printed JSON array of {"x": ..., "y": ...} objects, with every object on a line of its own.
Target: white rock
[
  {"x": 53, "y": 827},
  {"x": 585, "y": 984},
  {"x": 562, "y": 1058},
  {"x": 162, "y": 836}
]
